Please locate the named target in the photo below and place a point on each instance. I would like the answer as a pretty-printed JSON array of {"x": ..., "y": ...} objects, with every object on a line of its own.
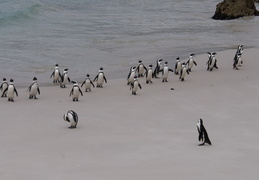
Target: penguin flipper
[
  {"x": 139, "y": 86},
  {"x": 171, "y": 70},
  {"x": 15, "y": 91},
  {"x": 71, "y": 92},
  {"x": 82, "y": 84},
  {"x": 4, "y": 92},
  {"x": 194, "y": 63},
  {"x": 92, "y": 83},
  {"x": 38, "y": 89},
  {"x": 96, "y": 77},
  {"x": 105, "y": 79},
  {"x": 52, "y": 75},
  {"x": 80, "y": 92}
]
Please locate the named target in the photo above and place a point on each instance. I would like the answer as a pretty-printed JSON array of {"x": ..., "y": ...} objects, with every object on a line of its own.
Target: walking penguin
[{"x": 203, "y": 135}]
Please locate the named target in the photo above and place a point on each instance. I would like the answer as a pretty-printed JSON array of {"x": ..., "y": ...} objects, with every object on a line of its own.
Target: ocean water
[{"x": 84, "y": 35}]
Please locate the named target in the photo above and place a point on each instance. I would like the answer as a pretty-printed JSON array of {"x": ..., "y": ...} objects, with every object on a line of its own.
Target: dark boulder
[{"x": 232, "y": 9}]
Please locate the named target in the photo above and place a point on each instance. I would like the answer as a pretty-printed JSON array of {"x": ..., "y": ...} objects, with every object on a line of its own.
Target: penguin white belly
[
  {"x": 10, "y": 92},
  {"x": 65, "y": 81},
  {"x": 87, "y": 84},
  {"x": 212, "y": 63},
  {"x": 190, "y": 64},
  {"x": 33, "y": 91},
  {"x": 165, "y": 75},
  {"x": 178, "y": 68},
  {"x": 100, "y": 79},
  {"x": 135, "y": 86},
  {"x": 183, "y": 73},
  {"x": 4, "y": 86},
  {"x": 75, "y": 92},
  {"x": 149, "y": 75},
  {"x": 56, "y": 75},
  {"x": 141, "y": 69},
  {"x": 71, "y": 119},
  {"x": 131, "y": 78}
]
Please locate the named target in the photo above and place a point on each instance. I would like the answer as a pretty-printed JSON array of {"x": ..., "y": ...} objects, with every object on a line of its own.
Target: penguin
[
  {"x": 203, "y": 135},
  {"x": 178, "y": 66},
  {"x": 100, "y": 78},
  {"x": 158, "y": 67},
  {"x": 237, "y": 62},
  {"x": 64, "y": 79},
  {"x": 131, "y": 75},
  {"x": 3, "y": 86},
  {"x": 240, "y": 50},
  {"x": 33, "y": 89},
  {"x": 88, "y": 82},
  {"x": 191, "y": 62},
  {"x": 165, "y": 72},
  {"x": 149, "y": 74},
  {"x": 56, "y": 75},
  {"x": 183, "y": 72},
  {"x": 10, "y": 90},
  {"x": 141, "y": 69},
  {"x": 75, "y": 91},
  {"x": 212, "y": 62},
  {"x": 72, "y": 118},
  {"x": 135, "y": 85}
]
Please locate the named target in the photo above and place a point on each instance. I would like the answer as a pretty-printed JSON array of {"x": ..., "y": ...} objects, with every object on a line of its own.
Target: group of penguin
[
  {"x": 63, "y": 79},
  {"x": 181, "y": 69}
]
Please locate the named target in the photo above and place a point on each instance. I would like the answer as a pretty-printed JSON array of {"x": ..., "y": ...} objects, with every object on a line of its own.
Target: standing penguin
[
  {"x": 178, "y": 66},
  {"x": 56, "y": 75},
  {"x": 72, "y": 118},
  {"x": 165, "y": 72},
  {"x": 240, "y": 50},
  {"x": 10, "y": 90},
  {"x": 64, "y": 79},
  {"x": 75, "y": 91},
  {"x": 33, "y": 89},
  {"x": 100, "y": 78},
  {"x": 212, "y": 62},
  {"x": 135, "y": 85},
  {"x": 131, "y": 75},
  {"x": 191, "y": 62},
  {"x": 203, "y": 135},
  {"x": 141, "y": 69},
  {"x": 183, "y": 72},
  {"x": 149, "y": 74},
  {"x": 88, "y": 82},
  {"x": 158, "y": 67},
  {"x": 3, "y": 86},
  {"x": 237, "y": 62}
]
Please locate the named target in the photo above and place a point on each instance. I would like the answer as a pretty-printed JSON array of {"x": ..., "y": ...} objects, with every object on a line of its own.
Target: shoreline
[{"x": 80, "y": 78}]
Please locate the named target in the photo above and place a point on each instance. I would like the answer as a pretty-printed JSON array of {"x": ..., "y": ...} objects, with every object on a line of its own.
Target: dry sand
[{"x": 149, "y": 136}]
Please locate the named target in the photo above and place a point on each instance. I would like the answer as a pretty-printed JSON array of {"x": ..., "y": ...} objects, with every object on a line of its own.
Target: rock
[{"x": 232, "y": 9}]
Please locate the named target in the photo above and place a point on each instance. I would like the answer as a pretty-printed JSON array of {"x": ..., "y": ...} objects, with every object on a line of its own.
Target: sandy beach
[{"x": 152, "y": 135}]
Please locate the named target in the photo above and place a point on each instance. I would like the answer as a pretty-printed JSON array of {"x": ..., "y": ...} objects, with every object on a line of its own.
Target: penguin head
[
  {"x": 159, "y": 60},
  {"x": 139, "y": 61},
  {"x": 150, "y": 66},
  {"x": 66, "y": 69},
  {"x": 191, "y": 55},
  {"x": 177, "y": 59},
  {"x": 101, "y": 69},
  {"x": 11, "y": 80},
  {"x": 200, "y": 121},
  {"x": 4, "y": 79},
  {"x": 166, "y": 63},
  {"x": 133, "y": 68},
  {"x": 34, "y": 79},
  {"x": 75, "y": 82},
  {"x": 65, "y": 117},
  {"x": 87, "y": 75}
]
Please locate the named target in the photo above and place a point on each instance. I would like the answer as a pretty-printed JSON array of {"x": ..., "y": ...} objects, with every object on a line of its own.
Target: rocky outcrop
[{"x": 232, "y": 9}]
